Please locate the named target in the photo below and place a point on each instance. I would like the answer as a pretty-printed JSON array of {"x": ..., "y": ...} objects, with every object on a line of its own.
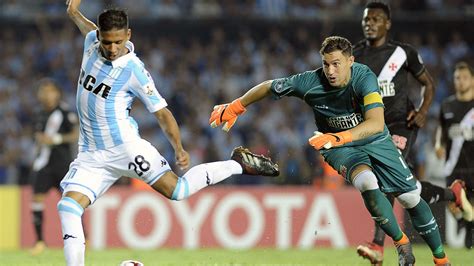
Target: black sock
[
  {"x": 433, "y": 194},
  {"x": 38, "y": 222},
  {"x": 469, "y": 235},
  {"x": 379, "y": 234}
]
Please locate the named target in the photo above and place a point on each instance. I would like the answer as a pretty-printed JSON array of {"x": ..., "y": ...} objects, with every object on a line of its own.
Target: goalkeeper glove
[
  {"x": 329, "y": 140},
  {"x": 227, "y": 114}
]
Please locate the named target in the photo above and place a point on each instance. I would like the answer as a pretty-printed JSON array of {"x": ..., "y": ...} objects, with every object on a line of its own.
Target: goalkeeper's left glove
[
  {"x": 329, "y": 140},
  {"x": 227, "y": 114}
]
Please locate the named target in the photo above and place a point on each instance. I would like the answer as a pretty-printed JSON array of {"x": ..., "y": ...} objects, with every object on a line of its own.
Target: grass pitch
[{"x": 222, "y": 257}]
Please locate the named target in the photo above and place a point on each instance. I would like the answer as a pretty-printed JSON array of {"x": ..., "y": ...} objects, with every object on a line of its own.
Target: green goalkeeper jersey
[{"x": 335, "y": 109}]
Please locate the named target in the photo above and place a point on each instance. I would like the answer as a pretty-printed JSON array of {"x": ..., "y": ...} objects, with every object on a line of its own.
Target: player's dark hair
[
  {"x": 49, "y": 82},
  {"x": 111, "y": 19},
  {"x": 463, "y": 65},
  {"x": 336, "y": 43},
  {"x": 375, "y": 4}
]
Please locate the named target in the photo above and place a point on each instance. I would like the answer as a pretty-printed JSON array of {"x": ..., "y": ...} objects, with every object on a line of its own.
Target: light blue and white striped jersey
[{"x": 105, "y": 92}]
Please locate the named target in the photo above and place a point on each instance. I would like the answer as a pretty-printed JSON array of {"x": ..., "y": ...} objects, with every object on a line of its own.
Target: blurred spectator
[{"x": 231, "y": 45}]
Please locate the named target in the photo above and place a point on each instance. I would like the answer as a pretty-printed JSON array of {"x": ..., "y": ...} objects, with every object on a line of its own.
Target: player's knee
[
  {"x": 365, "y": 180},
  {"x": 409, "y": 199},
  {"x": 69, "y": 205}
]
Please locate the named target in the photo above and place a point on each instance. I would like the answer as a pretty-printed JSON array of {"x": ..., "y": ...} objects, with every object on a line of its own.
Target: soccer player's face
[
  {"x": 49, "y": 96},
  {"x": 337, "y": 68},
  {"x": 112, "y": 43},
  {"x": 463, "y": 80},
  {"x": 375, "y": 23}
]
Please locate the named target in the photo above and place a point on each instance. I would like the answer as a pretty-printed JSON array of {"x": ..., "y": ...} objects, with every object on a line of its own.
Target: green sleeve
[{"x": 289, "y": 86}]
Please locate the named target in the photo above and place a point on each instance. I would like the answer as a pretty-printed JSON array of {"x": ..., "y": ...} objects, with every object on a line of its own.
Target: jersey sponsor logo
[
  {"x": 321, "y": 106},
  {"x": 88, "y": 83},
  {"x": 387, "y": 89},
  {"x": 345, "y": 122},
  {"x": 461, "y": 131},
  {"x": 448, "y": 115}
]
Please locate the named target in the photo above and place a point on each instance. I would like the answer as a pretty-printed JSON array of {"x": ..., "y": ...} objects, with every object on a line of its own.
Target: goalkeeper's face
[{"x": 337, "y": 68}]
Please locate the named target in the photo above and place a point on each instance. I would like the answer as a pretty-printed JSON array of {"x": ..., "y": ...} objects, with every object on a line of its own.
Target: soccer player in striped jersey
[
  {"x": 353, "y": 139},
  {"x": 393, "y": 62},
  {"x": 110, "y": 146}
]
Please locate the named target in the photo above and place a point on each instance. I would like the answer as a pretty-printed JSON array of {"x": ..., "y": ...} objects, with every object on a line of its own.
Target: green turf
[{"x": 215, "y": 257}]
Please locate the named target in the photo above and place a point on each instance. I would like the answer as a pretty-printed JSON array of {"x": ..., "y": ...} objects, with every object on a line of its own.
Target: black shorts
[
  {"x": 401, "y": 129},
  {"x": 49, "y": 177},
  {"x": 467, "y": 177}
]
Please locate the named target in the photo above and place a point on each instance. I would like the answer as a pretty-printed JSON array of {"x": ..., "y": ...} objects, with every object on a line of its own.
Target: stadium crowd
[{"x": 197, "y": 70}]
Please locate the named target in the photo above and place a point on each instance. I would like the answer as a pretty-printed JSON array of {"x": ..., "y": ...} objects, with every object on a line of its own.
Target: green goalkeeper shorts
[{"x": 382, "y": 156}]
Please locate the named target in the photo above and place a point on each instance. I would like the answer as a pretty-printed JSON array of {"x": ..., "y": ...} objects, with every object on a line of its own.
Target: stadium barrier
[{"x": 221, "y": 216}]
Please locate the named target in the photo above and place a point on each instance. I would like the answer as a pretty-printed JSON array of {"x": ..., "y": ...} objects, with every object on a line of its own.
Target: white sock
[
  {"x": 70, "y": 213},
  {"x": 203, "y": 175}
]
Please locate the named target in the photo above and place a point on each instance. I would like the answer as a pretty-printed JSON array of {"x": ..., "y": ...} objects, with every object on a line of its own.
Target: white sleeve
[{"x": 142, "y": 85}]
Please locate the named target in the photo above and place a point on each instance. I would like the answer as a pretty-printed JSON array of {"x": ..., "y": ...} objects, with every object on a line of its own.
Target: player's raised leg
[{"x": 200, "y": 176}]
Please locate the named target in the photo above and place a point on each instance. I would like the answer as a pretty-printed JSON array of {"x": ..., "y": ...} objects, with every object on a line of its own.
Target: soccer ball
[{"x": 131, "y": 263}]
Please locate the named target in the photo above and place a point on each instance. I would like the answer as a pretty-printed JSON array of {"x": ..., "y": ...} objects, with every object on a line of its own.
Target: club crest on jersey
[
  {"x": 279, "y": 86},
  {"x": 345, "y": 122}
]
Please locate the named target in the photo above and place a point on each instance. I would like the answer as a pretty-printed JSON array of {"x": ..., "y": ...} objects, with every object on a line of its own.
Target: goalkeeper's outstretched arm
[
  {"x": 256, "y": 93},
  {"x": 227, "y": 114}
]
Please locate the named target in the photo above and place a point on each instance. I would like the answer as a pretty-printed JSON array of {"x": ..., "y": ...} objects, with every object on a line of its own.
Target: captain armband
[{"x": 373, "y": 97}]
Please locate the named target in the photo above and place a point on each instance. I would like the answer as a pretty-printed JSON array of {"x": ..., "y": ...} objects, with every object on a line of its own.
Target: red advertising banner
[{"x": 220, "y": 216}]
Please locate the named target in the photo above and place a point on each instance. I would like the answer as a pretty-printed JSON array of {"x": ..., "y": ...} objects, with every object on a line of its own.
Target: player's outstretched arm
[
  {"x": 227, "y": 114},
  {"x": 169, "y": 125},
  {"x": 84, "y": 25}
]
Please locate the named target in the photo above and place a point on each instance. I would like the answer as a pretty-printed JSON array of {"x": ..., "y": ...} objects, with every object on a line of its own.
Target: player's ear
[
  {"x": 388, "y": 25},
  {"x": 351, "y": 60},
  {"x": 129, "y": 34}
]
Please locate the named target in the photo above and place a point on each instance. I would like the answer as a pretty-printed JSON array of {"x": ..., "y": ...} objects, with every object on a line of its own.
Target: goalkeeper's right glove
[{"x": 227, "y": 114}]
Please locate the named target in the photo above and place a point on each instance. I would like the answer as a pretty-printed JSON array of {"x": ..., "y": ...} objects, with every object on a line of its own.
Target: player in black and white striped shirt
[{"x": 55, "y": 131}]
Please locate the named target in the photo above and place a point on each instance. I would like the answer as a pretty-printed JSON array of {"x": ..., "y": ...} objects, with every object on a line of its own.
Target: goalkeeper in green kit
[{"x": 353, "y": 138}]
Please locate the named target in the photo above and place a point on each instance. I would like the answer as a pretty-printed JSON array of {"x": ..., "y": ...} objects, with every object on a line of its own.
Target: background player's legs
[
  {"x": 37, "y": 208},
  {"x": 70, "y": 209},
  {"x": 43, "y": 181}
]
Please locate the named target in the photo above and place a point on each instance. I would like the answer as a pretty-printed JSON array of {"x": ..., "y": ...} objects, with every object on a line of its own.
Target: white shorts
[{"x": 93, "y": 172}]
